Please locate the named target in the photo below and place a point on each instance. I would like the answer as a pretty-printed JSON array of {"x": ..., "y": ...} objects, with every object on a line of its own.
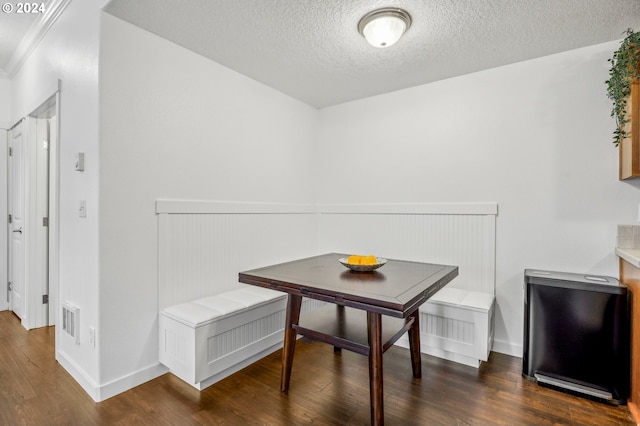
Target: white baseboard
[
  {"x": 130, "y": 381},
  {"x": 507, "y": 348},
  {"x": 78, "y": 374},
  {"x": 101, "y": 392}
]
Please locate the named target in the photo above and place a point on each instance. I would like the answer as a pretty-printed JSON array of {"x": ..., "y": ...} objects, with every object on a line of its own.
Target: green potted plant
[{"x": 625, "y": 69}]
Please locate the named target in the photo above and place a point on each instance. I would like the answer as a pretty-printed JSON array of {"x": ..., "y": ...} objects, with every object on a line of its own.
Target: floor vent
[{"x": 71, "y": 321}]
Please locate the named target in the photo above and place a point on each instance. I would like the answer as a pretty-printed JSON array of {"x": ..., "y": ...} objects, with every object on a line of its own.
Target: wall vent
[{"x": 71, "y": 321}]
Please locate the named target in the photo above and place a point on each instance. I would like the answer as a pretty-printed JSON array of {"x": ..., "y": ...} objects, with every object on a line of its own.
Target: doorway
[
  {"x": 16, "y": 208},
  {"x": 32, "y": 207}
]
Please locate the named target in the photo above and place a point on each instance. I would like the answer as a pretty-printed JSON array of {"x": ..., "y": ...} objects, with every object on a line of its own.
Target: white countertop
[{"x": 631, "y": 255}]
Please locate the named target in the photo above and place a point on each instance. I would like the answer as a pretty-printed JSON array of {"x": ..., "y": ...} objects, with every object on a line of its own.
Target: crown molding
[{"x": 33, "y": 37}]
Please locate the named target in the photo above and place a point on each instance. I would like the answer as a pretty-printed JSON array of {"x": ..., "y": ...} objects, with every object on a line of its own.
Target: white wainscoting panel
[
  {"x": 454, "y": 234},
  {"x": 203, "y": 246},
  {"x": 201, "y": 253}
]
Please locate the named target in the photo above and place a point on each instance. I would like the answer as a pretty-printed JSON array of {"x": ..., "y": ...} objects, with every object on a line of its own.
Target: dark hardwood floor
[{"x": 326, "y": 389}]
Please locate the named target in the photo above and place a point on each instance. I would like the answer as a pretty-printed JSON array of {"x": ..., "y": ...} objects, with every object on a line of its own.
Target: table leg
[
  {"x": 341, "y": 325},
  {"x": 293, "y": 315},
  {"x": 414, "y": 345},
  {"x": 374, "y": 321}
]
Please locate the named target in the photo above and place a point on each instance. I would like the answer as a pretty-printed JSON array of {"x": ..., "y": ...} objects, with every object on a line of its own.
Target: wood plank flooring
[{"x": 326, "y": 389}]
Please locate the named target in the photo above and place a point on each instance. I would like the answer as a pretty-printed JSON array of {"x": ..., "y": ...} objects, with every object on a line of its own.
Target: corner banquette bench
[
  {"x": 457, "y": 325},
  {"x": 210, "y": 326},
  {"x": 208, "y": 339}
]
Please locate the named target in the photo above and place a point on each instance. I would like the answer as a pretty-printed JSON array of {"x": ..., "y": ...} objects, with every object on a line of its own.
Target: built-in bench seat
[
  {"x": 208, "y": 339},
  {"x": 457, "y": 325},
  {"x": 205, "y": 340}
]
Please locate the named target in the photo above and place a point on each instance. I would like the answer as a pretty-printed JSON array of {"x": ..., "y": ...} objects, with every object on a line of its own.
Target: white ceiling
[
  {"x": 13, "y": 28},
  {"x": 312, "y": 51}
]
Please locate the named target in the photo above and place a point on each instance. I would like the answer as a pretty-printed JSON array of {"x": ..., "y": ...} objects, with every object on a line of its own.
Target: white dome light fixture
[{"x": 384, "y": 27}]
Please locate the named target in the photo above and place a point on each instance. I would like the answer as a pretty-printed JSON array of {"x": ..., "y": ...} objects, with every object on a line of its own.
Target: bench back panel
[
  {"x": 452, "y": 234},
  {"x": 203, "y": 246}
]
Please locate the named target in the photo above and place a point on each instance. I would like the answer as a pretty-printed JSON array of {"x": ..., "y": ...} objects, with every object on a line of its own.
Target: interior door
[
  {"x": 16, "y": 209},
  {"x": 41, "y": 126},
  {"x": 52, "y": 228},
  {"x": 38, "y": 280}
]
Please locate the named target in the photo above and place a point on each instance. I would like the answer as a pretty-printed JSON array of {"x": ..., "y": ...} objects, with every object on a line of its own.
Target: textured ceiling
[{"x": 312, "y": 51}]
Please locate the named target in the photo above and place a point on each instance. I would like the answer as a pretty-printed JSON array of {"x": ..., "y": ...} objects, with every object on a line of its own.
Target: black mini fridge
[{"x": 577, "y": 334}]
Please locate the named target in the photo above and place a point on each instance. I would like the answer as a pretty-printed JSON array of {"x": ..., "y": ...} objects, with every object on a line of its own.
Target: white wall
[
  {"x": 535, "y": 137},
  {"x": 69, "y": 52},
  {"x": 5, "y": 103},
  {"x": 176, "y": 125}
]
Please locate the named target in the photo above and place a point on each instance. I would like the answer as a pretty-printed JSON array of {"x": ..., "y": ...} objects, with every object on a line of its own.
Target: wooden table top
[{"x": 396, "y": 289}]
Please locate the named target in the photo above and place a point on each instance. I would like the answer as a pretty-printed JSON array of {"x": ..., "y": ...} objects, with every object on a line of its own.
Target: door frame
[
  {"x": 48, "y": 111},
  {"x": 4, "y": 208},
  {"x": 22, "y": 186},
  {"x": 34, "y": 313}
]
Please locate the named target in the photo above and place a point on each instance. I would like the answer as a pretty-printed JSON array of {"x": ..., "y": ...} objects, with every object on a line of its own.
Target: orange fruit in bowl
[
  {"x": 362, "y": 260},
  {"x": 369, "y": 260}
]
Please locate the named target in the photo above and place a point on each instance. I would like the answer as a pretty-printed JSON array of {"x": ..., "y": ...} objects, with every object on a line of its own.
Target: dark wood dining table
[{"x": 367, "y": 311}]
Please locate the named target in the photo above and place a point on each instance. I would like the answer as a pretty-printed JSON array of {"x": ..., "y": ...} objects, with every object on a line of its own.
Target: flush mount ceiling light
[{"x": 384, "y": 27}]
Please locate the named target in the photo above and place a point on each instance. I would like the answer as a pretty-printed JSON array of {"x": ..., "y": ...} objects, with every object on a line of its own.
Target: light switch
[
  {"x": 82, "y": 209},
  {"x": 79, "y": 163}
]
